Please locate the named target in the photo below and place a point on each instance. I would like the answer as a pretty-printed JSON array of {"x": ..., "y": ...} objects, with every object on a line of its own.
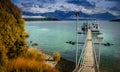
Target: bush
[
  {"x": 12, "y": 32},
  {"x": 25, "y": 34},
  {"x": 56, "y": 56},
  {"x": 3, "y": 58}
]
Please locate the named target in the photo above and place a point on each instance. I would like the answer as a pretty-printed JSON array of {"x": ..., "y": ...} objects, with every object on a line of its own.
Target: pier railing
[{"x": 87, "y": 61}]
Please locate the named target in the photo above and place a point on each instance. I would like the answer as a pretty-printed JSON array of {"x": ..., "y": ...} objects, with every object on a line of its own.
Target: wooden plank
[{"x": 88, "y": 60}]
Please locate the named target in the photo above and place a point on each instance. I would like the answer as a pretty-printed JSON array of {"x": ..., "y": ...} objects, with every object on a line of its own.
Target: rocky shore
[{"x": 65, "y": 65}]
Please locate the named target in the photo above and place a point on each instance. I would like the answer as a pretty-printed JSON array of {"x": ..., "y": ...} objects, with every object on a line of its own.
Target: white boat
[{"x": 94, "y": 27}]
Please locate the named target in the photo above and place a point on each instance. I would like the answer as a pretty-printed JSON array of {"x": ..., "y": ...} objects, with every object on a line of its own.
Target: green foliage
[{"x": 56, "y": 56}]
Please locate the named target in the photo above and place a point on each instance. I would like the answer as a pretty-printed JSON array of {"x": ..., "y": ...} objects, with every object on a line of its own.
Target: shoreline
[
  {"x": 49, "y": 60},
  {"x": 41, "y": 19},
  {"x": 63, "y": 65}
]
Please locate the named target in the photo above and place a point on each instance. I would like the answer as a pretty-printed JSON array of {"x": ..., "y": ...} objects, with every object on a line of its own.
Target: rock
[{"x": 65, "y": 65}]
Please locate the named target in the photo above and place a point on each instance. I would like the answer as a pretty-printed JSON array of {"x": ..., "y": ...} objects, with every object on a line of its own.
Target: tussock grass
[
  {"x": 47, "y": 68},
  {"x": 33, "y": 53},
  {"x": 24, "y": 65},
  {"x": 33, "y": 61}
]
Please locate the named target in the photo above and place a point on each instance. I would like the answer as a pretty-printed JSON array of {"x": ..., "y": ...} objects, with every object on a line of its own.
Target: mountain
[
  {"x": 103, "y": 16},
  {"x": 63, "y": 15},
  {"x": 64, "y": 9}
]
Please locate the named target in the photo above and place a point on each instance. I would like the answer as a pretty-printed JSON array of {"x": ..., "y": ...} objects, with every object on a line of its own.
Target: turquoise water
[{"x": 51, "y": 36}]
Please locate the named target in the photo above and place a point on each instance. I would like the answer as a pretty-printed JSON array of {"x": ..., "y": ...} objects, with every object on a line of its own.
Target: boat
[
  {"x": 84, "y": 27},
  {"x": 94, "y": 27}
]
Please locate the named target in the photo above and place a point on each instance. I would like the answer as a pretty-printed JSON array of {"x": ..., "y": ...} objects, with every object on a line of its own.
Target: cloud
[
  {"x": 103, "y": 6},
  {"x": 117, "y": 1},
  {"x": 81, "y": 2},
  {"x": 86, "y": 6},
  {"x": 115, "y": 13}
]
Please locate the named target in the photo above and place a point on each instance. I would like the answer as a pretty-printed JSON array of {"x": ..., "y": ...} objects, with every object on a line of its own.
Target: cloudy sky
[{"x": 85, "y": 6}]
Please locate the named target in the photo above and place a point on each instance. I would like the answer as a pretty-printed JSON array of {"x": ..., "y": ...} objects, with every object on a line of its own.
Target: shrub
[
  {"x": 25, "y": 34},
  {"x": 12, "y": 29},
  {"x": 56, "y": 56},
  {"x": 3, "y": 58}
]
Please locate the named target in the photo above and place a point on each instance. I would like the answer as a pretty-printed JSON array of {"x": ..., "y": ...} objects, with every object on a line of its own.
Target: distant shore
[
  {"x": 116, "y": 20},
  {"x": 40, "y": 19}
]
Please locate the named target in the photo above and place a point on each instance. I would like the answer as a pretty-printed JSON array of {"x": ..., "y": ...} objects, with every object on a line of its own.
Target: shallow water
[{"x": 51, "y": 36}]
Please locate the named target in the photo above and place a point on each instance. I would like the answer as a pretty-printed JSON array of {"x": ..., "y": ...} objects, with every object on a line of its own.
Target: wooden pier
[{"x": 88, "y": 62}]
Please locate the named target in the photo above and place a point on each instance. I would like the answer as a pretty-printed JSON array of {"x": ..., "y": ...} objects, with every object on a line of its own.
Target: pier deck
[{"x": 88, "y": 59}]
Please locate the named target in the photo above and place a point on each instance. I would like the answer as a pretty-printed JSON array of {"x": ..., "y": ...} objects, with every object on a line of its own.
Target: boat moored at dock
[{"x": 95, "y": 28}]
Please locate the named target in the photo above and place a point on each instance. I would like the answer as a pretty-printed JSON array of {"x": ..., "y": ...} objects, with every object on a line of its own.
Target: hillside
[
  {"x": 15, "y": 56},
  {"x": 11, "y": 29}
]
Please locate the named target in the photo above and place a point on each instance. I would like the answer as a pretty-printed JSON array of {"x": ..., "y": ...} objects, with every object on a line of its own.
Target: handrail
[
  {"x": 95, "y": 54},
  {"x": 82, "y": 53},
  {"x": 81, "y": 57}
]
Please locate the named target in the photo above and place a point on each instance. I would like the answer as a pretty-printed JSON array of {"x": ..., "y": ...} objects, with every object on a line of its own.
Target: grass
[
  {"x": 33, "y": 53},
  {"x": 24, "y": 65},
  {"x": 33, "y": 61}
]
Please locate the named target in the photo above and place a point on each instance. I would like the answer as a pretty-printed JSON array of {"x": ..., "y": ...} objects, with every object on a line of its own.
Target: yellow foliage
[
  {"x": 30, "y": 63},
  {"x": 33, "y": 53},
  {"x": 24, "y": 65},
  {"x": 25, "y": 34},
  {"x": 3, "y": 58},
  {"x": 47, "y": 68},
  {"x": 56, "y": 56},
  {"x": 11, "y": 28},
  {"x": 14, "y": 56}
]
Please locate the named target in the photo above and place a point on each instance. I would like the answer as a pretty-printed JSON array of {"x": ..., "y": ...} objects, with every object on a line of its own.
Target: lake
[{"x": 51, "y": 36}]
